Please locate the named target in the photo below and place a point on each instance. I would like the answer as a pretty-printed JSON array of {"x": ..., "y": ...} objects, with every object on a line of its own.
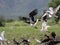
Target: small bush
[
  {"x": 16, "y": 24},
  {"x": 10, "y": 20},
  {"x": 2, "y": 21}
]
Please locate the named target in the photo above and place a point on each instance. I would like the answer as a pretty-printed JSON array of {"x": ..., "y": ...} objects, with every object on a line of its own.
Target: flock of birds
[{"x": 46, "y": 41}]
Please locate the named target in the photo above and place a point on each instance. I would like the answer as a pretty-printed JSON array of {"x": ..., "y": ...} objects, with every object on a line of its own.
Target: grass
[{"x": 20, "y": 29}]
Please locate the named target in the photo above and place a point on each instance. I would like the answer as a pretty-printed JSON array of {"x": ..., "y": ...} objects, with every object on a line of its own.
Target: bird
[
  {"x": 16, "y": 42},
  {"x": 2, "y": 38}
]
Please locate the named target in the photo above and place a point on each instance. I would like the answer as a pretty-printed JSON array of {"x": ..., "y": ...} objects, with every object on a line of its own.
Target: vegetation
[
  {"x": 10, "y": 20},
  {"x": 2, "y": 20},
  {"x": 25, "y": 30},
  {"x": 54, "y": 3}
]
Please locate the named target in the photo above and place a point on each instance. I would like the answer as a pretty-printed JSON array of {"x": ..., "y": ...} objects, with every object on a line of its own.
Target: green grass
[{"x": 20, "y": 29}]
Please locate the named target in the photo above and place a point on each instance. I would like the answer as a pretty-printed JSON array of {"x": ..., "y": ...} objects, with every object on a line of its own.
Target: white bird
[
  {"x": 2, "y": 38},
  {"x": 53, "y": 11}
]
